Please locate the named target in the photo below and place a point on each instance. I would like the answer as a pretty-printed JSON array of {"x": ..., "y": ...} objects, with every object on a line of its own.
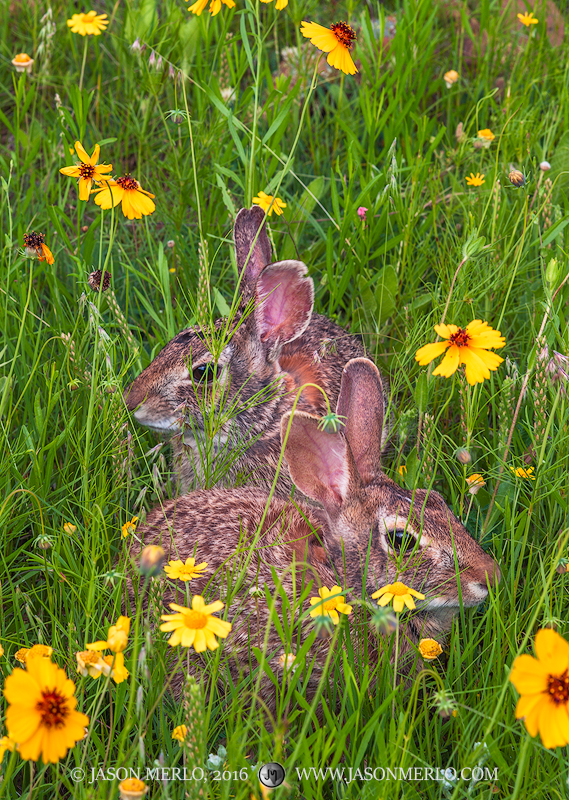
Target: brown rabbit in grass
[
  {"x": 370, "y": 532},
  {"x": 272, "y": 352}
]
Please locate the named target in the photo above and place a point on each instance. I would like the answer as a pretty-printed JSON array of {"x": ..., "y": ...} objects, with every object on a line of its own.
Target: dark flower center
[
  {"x": 343, "y": 33},
  {"x": 53, "y": 709},
  {"x": 33, "y": 239},
  {"x": 128, "y": 184},
  {"x": 86, "y": 171},
  {"x": 460, "y": 338},
  {"x": 558, "y": 688}
]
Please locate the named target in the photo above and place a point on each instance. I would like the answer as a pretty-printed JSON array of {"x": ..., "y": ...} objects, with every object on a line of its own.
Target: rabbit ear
[
  {"x": 252, "y": 245},
  {"x": 284, "y": 297},
  {"x": 361, "y": 402},
  {"x": 320, "y": 463}
]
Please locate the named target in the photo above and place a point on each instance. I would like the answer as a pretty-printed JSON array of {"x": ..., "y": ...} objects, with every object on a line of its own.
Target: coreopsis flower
[
  {"x": 429, "y": 649},
  {"x": 475, "y": 482},
  {"x": 129, "y": 527},
  {"x": 517, "y": 178},
  {"x": 543, "y": 684},
  {"x": 41, "y": 715},
  {"x": 196, "y": 626},
  {"x": 35, "y": 247},
  {"x": 524, "y": 472},
  {"x": 36, "y": 651},
  {"x": 280, "y": 4},
  {"x": 337, "y": 41},
  {"x": 269, "y": 203},
  {"x": 179, "y": 733},
  {"x": 401, "y": 595},
  {"x": 214, "y": 8},
  {"x": 69, "y": 528},
  {"x": 528, "y": 19},
  {"x": 90, "y": 662},
  {"x": 328, "y": 603},
  {"x": 468, "y": 346},
  {"x": 88, "y": 24},
  {"x": 132, "y": 789},
  {"x": 450, "y": 78},
  {"x": 474, "y": 180},
  {"x": 22, "y": 62},
  {"x": 1, "y": 651},
  {"x": 402, "y": 470},
  {"x": 6, "y": 745},
  {"x": 177, "y": 570},
  {"x": 136, "y": 202},
  {"x": 117, "y": 637},
  {"x": 287, "y": 662},
  {"x": 87, "y": 170}
]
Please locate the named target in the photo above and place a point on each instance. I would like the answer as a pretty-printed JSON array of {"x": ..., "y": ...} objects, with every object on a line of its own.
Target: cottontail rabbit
[
  {"x": 233, "y": 404},
  {"x": 370, "y": 532}
]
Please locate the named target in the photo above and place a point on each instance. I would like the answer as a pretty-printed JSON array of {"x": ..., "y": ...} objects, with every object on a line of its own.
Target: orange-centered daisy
[
  {"x": 196, "y": 626},
  {"x": 337, "y": 41},
  {"x": 35, "y": 247},
  {"x": 543, "y": 684},
  {"x": 468, "y": 346},
  {"x": 332, "y": 604},
  {"x": 136, "y": 202},
  {"x": 184, "y": 572},
  {"x": 87, "y": 170},
  {"x": 269, "y": 203},
  {"x": 474, "y": 180},
  {"x": 90, "y": 24},
  {"x": 399, "y": 593},
  {"x": 41, "y": 715}
]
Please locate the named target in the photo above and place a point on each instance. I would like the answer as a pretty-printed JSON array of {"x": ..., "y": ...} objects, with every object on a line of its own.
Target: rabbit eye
[
  {"x": 401, "y": 540},
  {"x": 203, "y": 374}
]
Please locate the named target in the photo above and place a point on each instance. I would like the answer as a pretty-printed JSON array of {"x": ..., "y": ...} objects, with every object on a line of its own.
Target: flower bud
[
  {"x": 462, "y": 455},
  {"x": 151, "y": 559},
  {"x": 545, "y": 166},
  {"x": 517, "y": 178}
]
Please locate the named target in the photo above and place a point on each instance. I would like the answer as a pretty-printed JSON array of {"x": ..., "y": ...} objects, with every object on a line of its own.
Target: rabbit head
[
  {"x": 381, "y": 532},
  {"x": 239, "y": 382}
]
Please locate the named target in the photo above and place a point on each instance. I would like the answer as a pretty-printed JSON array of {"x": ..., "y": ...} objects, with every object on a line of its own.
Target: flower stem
[
  {"x": 83, "y": 64},
  {"x": 395, "y": 665}
]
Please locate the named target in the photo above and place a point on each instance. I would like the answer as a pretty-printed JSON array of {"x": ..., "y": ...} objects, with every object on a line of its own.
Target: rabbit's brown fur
[
  {"x": 275, "y": 349},
  {"x": 369, "y": 526}
]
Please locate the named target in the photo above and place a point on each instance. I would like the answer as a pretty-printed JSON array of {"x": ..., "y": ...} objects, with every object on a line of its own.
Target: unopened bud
[
  {"x": 463, "y": 455},
  {"x": 545, "y": 166},
  {"x": 151, "y": 559}
]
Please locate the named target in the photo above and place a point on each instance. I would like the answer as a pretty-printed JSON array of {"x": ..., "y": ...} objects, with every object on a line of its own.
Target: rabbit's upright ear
[
  {"x": 284, "y": 298},
  {"x": 362, "y": 403},
  {"x": 252, "y": 245},
  {"x": 320, "y": 463}
]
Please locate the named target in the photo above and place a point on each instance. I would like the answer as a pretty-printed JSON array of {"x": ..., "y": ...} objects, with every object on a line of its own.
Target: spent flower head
[
  {"x": 35, "y": 247},
  {"x": 22, "y": 62}
]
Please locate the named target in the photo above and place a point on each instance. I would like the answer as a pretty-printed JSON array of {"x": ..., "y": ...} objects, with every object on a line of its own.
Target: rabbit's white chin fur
[{"x": 171, "y": 425}]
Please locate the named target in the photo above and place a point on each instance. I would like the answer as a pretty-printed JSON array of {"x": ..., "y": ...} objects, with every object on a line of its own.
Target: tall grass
[{"x": 392, "y": 139}]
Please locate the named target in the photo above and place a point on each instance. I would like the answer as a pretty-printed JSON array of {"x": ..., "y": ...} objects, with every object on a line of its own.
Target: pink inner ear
[
  {"x": 287, "y": 302},
  {"x": 317, "y": 460}
]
